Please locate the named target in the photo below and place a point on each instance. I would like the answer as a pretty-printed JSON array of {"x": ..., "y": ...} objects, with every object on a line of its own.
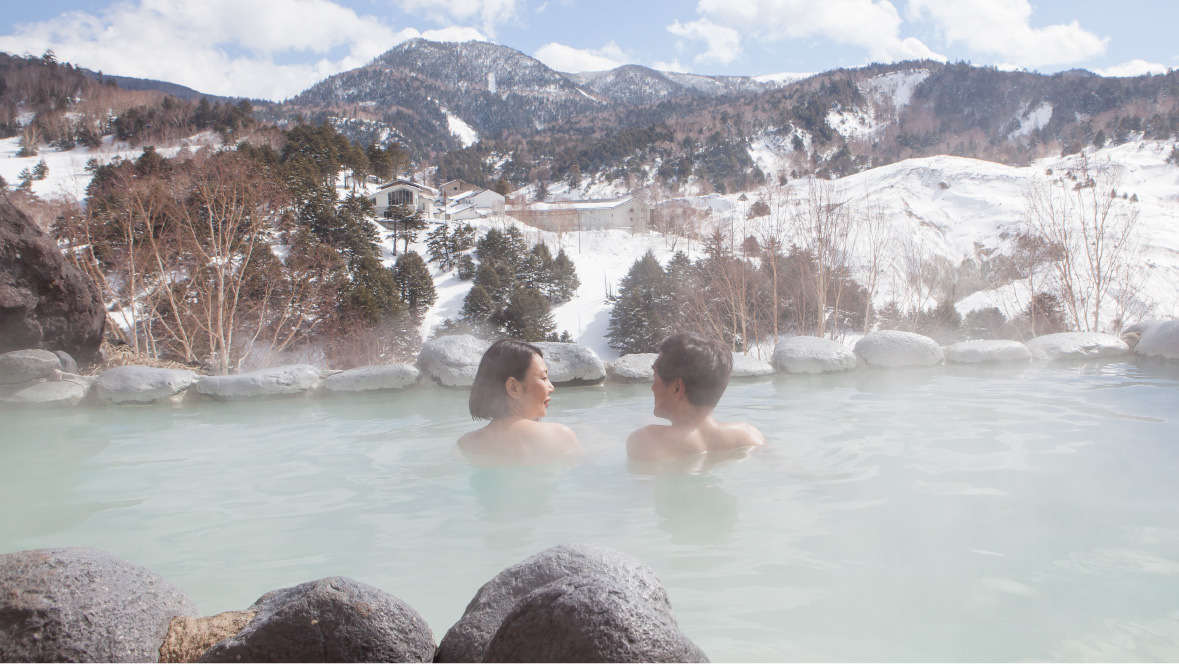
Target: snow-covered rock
[
  {"x": 136, "y": 384},
  {"x": 986, "y": 351},
  {"x": 894, "y": 348},
  {"x": 1077, "y": 346},
  {"x": 572, "y": 364},
  {"x": 812, "y": 355},
  {"x": 452, "y": 361},
  {"x": 634, "y": 368},
  {"x": 1158, "y": 338},
  {"x": 363, "y": 379},
  {"x": 272, "y": 382},
  {"x": 750, "y": 367}
]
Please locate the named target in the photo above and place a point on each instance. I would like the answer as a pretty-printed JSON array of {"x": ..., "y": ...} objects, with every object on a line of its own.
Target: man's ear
[{"x": 677, "y": 387}]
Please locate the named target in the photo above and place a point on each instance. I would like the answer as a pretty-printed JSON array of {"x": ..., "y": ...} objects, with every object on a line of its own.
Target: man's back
[{"x": 657, "y": 442}]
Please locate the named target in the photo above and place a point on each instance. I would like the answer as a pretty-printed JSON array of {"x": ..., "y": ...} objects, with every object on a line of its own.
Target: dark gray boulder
[
  {"x": 335, "y": 619},
  {"x": 589, "y": 619},
  {"x": 467, "y": 639},
  {"x": 83, "y": 605},
  {"x": 45, "y": 301}
]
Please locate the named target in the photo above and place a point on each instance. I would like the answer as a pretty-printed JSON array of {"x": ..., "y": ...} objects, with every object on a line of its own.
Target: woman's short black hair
[
  {"x": 506, "y": 358},
  {"x": 704, "y": 365}
]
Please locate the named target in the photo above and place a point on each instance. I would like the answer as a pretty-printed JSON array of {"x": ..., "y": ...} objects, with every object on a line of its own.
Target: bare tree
[{"x": 1080, "y": 211}]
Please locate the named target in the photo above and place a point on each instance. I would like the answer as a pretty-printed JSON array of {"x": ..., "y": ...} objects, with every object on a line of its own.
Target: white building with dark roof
[{"x": 405, "y": 192}]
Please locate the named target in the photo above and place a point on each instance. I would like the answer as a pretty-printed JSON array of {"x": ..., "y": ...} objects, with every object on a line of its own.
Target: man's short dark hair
[
  {"x": 703, "y": 364},
  {"x": 506, "y": 358}
]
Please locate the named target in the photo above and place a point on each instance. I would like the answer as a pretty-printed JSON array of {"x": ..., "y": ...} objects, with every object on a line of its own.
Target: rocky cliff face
[{"x": 45, "y": 301}]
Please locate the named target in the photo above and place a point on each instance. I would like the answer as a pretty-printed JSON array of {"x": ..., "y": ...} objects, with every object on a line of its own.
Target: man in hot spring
[{"x": 691, "y": 374}]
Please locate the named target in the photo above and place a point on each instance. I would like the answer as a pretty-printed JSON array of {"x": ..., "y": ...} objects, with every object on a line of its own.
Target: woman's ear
[{"x": 512, "y": 386}]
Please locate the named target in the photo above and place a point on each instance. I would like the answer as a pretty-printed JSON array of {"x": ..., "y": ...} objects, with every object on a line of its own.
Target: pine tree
[
  {"x": 564, "y": 278},
  {"x": 439, "y": 247},
  {"x": 528, "y": 316},
  {"x": 639, "y": 318},
  {"x": 414, "y": 283}
]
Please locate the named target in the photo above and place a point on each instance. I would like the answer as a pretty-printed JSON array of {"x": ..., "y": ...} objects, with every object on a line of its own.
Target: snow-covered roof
[
  {"x": 406, "y": 183},
  {"x": 604, "y": 204}
]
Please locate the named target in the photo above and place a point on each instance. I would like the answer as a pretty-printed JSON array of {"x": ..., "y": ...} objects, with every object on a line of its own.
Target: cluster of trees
[
  {"x": 514, "y": 287},
  {"x": 226, "y": 258}
]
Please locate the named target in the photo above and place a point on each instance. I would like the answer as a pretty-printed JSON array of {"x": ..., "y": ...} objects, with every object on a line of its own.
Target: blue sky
[{"x": 273, "y": 49}]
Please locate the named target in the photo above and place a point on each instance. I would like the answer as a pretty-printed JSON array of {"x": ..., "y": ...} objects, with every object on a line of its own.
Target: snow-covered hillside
[{"x": 949, "y": 207}]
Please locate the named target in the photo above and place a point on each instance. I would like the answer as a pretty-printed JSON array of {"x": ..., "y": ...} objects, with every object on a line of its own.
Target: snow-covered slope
[{"x": 953, "y": 208}]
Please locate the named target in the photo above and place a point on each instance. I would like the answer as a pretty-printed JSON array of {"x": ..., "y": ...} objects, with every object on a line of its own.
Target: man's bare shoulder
[{"x": 741, "y": 434}]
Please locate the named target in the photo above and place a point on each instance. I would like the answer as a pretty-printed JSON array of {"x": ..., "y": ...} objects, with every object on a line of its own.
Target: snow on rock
[
  {"x": 894, "y": 348},
  {"x": 572, "y": 364},
  {"x": 812, "y": 355},
  {"x": 273, "y": 382},
  {"x": 745, "y": 366},
  {"x": 1077, "y": 346},
  {"x": 986, "y": 351},
  {"x": 453, "y": 360},
  {"x": 365, "y": 379},
  {"x": 634, "y": 368},
  {"x": 1158, "y": 338}
]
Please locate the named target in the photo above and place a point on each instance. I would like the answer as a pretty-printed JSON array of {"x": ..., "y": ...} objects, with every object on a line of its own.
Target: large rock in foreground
[
  {"x": 1077, "y": 346},
  {"x": 987, "y": 351},
  {"x": 135, "y": 384},
  {"x": 812, "y": 355},
  {"x": 894, "y": 349},
  {"x": 589, "y": 619},
  {"x": 335, "y": 619},
  {"x": 1158, "y": 338},
  {"x": 45, "y": 301},
  {"x": 83, "y": 605},
  {"x": 572, "y": 364},
  {"x": 468, "y": 639},
  {"x": 452, "y": 361},
  {"x": 264, "y": 383}
]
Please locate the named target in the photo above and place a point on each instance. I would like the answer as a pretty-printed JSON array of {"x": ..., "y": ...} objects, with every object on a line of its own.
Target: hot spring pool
[{"x": 1027, "y": 513}]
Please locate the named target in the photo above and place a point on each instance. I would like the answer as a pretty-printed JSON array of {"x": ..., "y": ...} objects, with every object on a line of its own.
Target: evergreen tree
[
  {"x": 542, "y": 191},
  {"x": 407, "y": 223},
  {"x": 640, "y": 317},
  {"x": 536, "y": 268},
  {"x": 414, "y": 283},
  {"x": 479, "y": 307},
  {"x": 466, "y": 267},
  {"x": 564, "y": 278},
  {"x": 528, "y": 316},
  {"x": 439, "y": 245}
]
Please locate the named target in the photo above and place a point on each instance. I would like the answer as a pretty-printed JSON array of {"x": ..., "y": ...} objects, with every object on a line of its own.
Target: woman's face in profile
[{"x": 530, "y": 399}]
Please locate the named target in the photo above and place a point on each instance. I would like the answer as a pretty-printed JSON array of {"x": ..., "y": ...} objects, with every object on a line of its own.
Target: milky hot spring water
[{"x": 954, "y": 513}]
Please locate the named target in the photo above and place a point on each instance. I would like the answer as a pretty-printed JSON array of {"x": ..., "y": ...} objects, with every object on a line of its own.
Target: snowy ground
[{"x": 951, "y": 207}]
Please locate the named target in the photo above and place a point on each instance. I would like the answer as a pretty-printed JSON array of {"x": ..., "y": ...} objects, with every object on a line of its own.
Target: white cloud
[
  {"x": 572, "y": 60},
  {"x": 1003, "y": 28},
  {"x": 489, "y": 13},
  {"x": 673, "y": 66},
  {"x": 262, "y": 48},
  {"x": 1133, "y": 68},
  {"x": 873, "y": 25},
  {"x": 724, "y": 43}
]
